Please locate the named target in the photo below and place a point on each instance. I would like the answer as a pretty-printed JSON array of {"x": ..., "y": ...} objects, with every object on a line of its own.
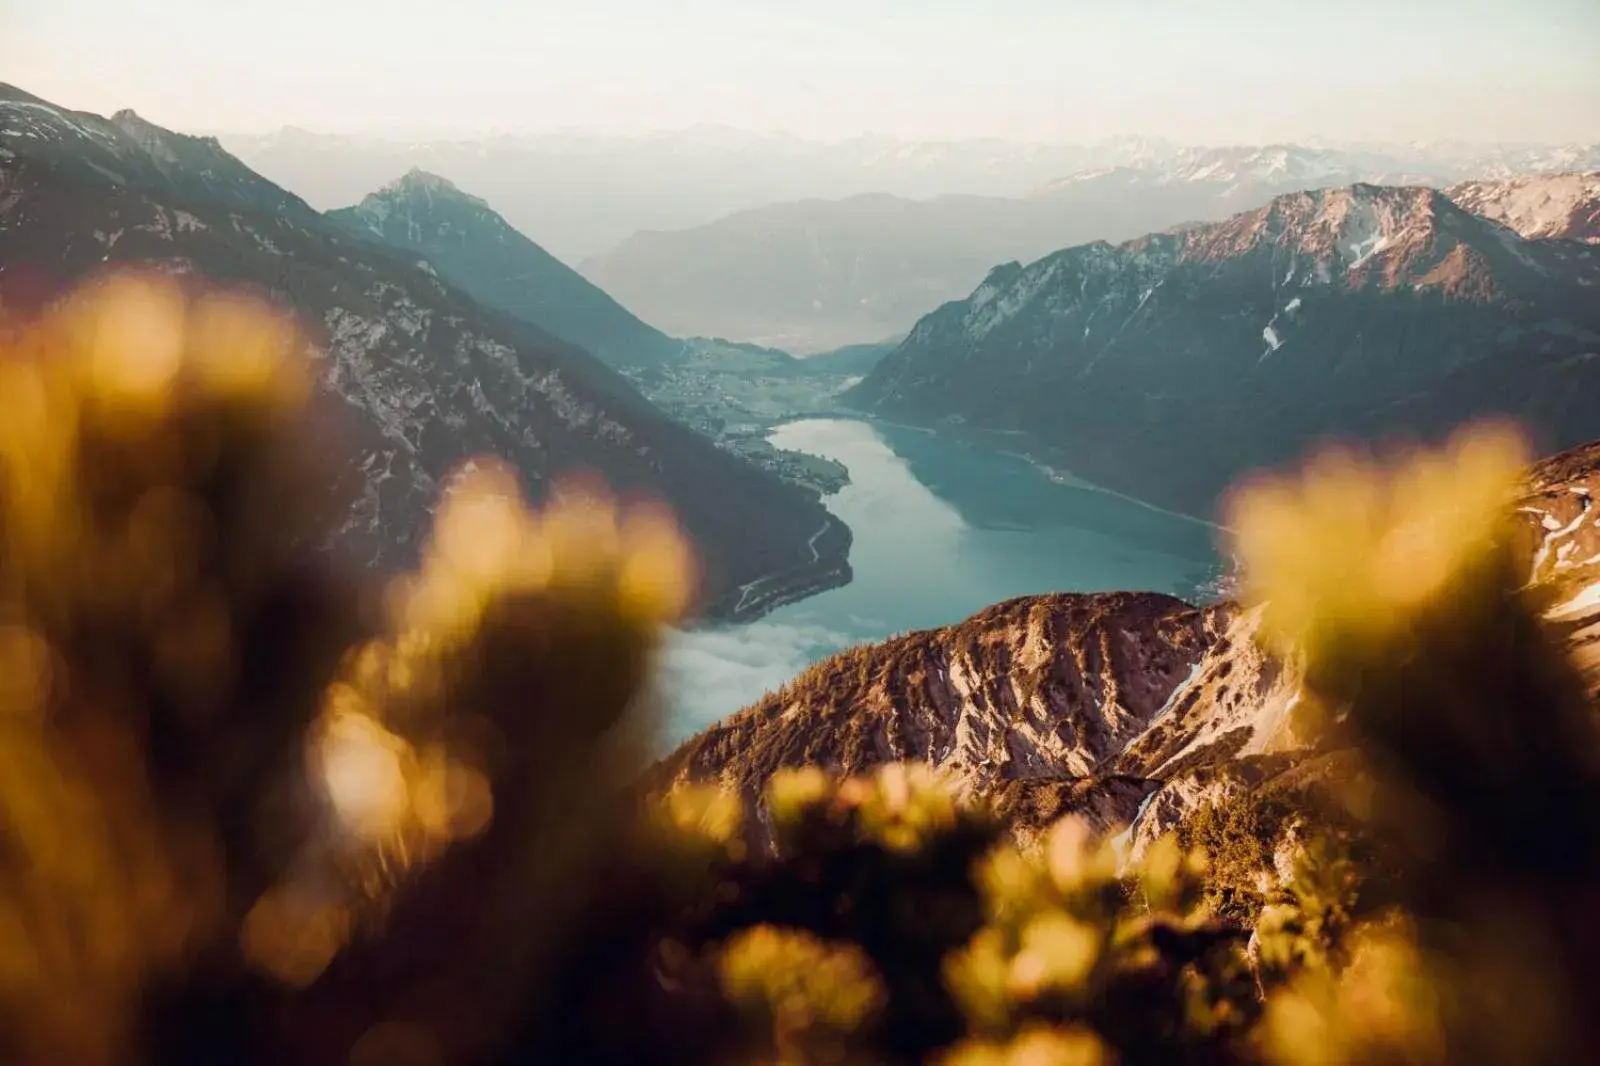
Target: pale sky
[{"x": 1194, "y": 71}]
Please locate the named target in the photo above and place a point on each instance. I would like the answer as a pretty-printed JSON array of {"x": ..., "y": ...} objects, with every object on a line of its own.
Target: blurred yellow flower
[
  {"x": 1035, "y": 1045},
  {"x": 804, "y": 989},
  {"x": 1347, "y": 550}
]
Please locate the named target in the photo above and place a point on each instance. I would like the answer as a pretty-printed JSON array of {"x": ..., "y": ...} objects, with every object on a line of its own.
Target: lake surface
[{"x": 942, "y": 529}]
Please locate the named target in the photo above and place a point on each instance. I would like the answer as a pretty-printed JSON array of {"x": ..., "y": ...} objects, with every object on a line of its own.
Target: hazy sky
[{"x": 1191, "y": 70}]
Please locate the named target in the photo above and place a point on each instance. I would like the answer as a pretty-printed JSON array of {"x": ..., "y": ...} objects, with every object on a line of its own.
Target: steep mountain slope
[
  {"x": 1167, "y": 366},
  {"x": 471, "y": 246},
  {"x": 422, "y": 376},
  {"x": 1126, "y": 707},
  {"x": 1040, "y": 688},
  {"x": 1538, "y": 205}
]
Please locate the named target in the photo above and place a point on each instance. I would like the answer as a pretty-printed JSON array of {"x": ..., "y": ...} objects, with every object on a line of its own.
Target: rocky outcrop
[
  {"x": 1040, "y": 689},
  {"x": 1562, "y": 525}
]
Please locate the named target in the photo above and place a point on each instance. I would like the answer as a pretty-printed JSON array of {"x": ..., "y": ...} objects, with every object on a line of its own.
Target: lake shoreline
[{"x": 983, "y": 439}]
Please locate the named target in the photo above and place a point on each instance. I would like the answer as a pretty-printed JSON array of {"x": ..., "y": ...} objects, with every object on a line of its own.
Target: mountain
[
  {"x": 1166, "y": 366},
  {"x": 815, "y": 275},
  {"x": 1538, "y": 205},
  {"x": 473, "y": 247},
  {"x": 422, "y": 376},
  {"x": 819, "y": 274},
  {"x": 1134, "y": 709}
]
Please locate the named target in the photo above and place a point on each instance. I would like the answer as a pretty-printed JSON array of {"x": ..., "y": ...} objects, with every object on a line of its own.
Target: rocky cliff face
[
  {"x": 419, "y": 375},
  {"x": 1038, "y": 690},
  {"x": 1133, "y": 709},
  {"x": 472, "y": 246},
  {"x": 1168, "y": 366}
]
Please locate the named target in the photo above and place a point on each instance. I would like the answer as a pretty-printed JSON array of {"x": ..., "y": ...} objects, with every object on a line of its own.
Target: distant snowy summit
[
  {"x": 1538, "y": 205},
  {"x": 1290, "y": 167}
]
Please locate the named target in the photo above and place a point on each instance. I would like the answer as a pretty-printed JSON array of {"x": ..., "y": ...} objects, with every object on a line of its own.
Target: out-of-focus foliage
[
  {"x": 252, "y": 811},
  {"x": 162, "y": 635},
  {"x": 1399, "y": 585}
]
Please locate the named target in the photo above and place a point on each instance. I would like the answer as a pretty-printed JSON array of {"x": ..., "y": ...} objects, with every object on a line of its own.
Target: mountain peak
[
  {"x": 160, "y": 142},
  {"x": 471, "y": 244},
  {"x": 138, "y": 152},
  {"x": 418, "y": 181},
  {"x": 1387, "y": 234},
  {"x": 418, "y": 178}
]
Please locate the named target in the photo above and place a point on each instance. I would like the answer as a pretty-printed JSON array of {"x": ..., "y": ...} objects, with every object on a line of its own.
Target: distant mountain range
[
  {"x": 1167, "y": 366},
  {"x": 422, "y": 376},
  {"x": 580, "y": 194},
  {"x": 474, "y": 247},
  {"x": 818, "y": 274},
  {"x": 1538, "y": 205}
]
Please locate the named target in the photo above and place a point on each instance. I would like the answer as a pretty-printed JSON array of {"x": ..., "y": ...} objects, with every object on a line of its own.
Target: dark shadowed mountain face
[
  {"x": 1168, "y": 366},
  {"x": 471, "y": 246},
  {"x": 419, "y": 375}
]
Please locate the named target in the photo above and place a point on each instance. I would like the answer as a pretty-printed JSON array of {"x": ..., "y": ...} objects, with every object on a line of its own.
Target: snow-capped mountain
[
  {"x": 421, "y": 376},
  {"x": 1530, "y": 159},
  {"x": 472, "y": 246},
  {"x": 1538, "y": 205},
  {"x": 1267, "y": 170},
  {"x": 1167, "y": 366},
  {"x": 1247, "y": 170}
]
